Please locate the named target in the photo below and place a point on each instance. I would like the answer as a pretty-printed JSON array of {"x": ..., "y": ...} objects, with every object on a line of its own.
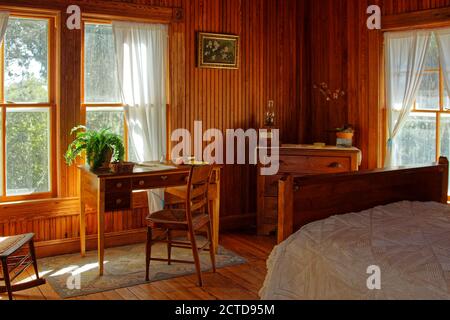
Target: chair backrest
[{"x": 198, "y": 185}]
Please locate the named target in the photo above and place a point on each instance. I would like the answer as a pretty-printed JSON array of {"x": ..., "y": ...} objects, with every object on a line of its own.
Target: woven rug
[{"x": 74, "y": 276}]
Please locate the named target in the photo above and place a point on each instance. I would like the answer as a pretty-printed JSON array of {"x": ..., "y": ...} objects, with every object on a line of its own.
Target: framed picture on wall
[{"x": 219, "y": 51}]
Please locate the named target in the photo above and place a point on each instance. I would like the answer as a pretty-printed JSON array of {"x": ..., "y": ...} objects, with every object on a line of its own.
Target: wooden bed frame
[{"x": 306, "y": 199}]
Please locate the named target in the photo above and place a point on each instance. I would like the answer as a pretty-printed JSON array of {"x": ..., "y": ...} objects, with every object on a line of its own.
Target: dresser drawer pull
[
  {"x": 335, "y": 165},
  {"x": 119, "y": 185},
  {"x": 164, "y": 178},
  {"x": 141, "y": 183},
  {"x": 119, "y": 201}
]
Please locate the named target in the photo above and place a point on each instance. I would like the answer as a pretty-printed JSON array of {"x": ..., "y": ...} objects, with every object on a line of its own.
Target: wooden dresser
[{"x": 299, "y": 160}]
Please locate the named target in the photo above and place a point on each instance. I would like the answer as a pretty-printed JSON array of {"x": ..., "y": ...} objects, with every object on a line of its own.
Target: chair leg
[
  {"x": 6, "y": 278},
  {"x": 169, "y": 247},
  {"x": 196, "y": 258},
  {"x": 211, "y": 248},
  {"x": 33, "y": 258},
  {"x": 148, "y": 254}
]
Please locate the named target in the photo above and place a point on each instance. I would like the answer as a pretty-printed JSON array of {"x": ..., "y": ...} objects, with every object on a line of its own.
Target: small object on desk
[
  {"x": 320, "y": 145},
  {"x": 155, "y": 166},
  {"x": 122, "y": 167},
  {"x": 196, "y": 163},
  {"x": 344, "y": 136},
  {"x": 188, "y": 161}
]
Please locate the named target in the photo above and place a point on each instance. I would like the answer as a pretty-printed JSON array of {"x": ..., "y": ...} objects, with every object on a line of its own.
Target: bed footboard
[{"x": 303, "y": 200}]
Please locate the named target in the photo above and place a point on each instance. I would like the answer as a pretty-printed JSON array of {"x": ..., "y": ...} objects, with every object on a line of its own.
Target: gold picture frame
[{"x": 218, "y": 51}]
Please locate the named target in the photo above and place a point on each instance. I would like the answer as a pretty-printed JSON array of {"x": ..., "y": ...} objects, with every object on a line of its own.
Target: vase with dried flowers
[{"x": 328, "y": 93}]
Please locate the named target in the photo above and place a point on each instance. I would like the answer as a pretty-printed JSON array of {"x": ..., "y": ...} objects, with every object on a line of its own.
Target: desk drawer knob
[
  {"x": 119, "y": 185},
  {"x": 141, "y": 183},
  {"x": 164, "y": 178},
  {"x": 335, "y": 165},
  {"x": 118, "y": 201}
]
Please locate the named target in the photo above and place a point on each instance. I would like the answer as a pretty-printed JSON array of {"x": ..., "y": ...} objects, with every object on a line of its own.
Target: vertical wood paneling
[{"x": 230, "y": 99}]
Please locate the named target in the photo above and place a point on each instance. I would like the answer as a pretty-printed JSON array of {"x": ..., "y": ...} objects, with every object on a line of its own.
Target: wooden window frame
[
  {"x": 53, "y": 19},
  {"x": 424, "y": 19},
  {"x": 104, "y": 19},
  {"x": 84, "y": 104}
]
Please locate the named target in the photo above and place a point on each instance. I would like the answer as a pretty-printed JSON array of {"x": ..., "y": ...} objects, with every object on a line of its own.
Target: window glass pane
[
  {"x": 105, "y": 118},
  {"x": 432, "y": 57},
  {"x": 416, "y": 142},
  {"x": 26, "y": 61},
  {"x": 446, "y": 100},
  {"x": 428, "y": 95},
  {"x": 100, "y": 70},
  {"x": 108, "y": 118},
  {"x": 27, "y": 151}
]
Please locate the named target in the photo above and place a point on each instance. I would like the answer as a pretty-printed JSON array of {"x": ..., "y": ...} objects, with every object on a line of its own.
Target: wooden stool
[{"x": 13, "y": 265}]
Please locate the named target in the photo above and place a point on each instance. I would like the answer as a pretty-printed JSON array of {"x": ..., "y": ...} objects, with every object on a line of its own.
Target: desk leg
[
  {"x": 101, "y": 227},
  {"x": 82, "y": 218},
  {"x": 82, "y": 228},
  {"x": 216, "y": 218}
]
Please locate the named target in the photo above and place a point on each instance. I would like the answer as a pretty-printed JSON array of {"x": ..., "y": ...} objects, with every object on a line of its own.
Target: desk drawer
[
  {"x": 118, "y": 185},
  {"x": 311, "y": 164},
  {"x": 160, "y": 181},
  {"x": 117, "y": 201}
]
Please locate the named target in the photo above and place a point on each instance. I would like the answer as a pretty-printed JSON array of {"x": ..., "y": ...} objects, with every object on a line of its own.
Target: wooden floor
[{"x": 237, "y": 283}]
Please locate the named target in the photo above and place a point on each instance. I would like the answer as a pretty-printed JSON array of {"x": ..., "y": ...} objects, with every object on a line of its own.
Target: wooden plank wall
[
  {"x": 340, "y": 51},
  {"x": 226, "y": 99},
  {"x": 271, "y": 56}
]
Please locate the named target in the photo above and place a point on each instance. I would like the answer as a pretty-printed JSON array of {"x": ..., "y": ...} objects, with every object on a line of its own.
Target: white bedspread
[{"x": 328, "y": 259}]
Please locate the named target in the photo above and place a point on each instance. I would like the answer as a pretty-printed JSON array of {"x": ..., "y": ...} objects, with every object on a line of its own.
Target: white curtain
[
  {"x": 141, "y": 54},
  {"x": 443, "y": 39},
  {"x": 4, "y": 17},
  {"x": 405, "y": 58}
]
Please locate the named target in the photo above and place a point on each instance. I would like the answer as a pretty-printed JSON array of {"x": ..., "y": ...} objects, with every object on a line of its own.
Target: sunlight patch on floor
[{"x": 73, "y": 270}]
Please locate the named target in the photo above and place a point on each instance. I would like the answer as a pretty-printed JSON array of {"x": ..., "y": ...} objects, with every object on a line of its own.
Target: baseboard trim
[
  {"x": 237, "y": 222},
  {"x": 68, "y": 246}
]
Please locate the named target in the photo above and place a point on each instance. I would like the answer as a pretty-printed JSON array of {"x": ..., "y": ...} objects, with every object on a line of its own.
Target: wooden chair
[
  {"x": 13, "y": 264},
  {"x": 193, "y": 218}
]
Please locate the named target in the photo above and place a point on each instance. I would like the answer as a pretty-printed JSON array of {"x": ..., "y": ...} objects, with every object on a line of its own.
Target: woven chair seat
[
  {"x": 176, "y": 219},
  {"x": 168, "y": 216},
  {"x": 9, "y": 245}
]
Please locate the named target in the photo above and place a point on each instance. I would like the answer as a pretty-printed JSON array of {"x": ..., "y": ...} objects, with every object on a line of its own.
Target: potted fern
[{"x": 101, "y": 147}]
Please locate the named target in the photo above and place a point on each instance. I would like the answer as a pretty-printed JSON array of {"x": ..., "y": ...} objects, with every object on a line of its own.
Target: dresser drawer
[
  {"x": 117, "y": 201},
  {"x": 312, "y": 164},
  {"x": 118, "y": 185},
  {"x": 160, "y": 181}
]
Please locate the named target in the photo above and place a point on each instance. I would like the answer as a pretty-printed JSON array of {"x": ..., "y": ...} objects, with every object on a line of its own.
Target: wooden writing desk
[{"x": 108, "y": 192}]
